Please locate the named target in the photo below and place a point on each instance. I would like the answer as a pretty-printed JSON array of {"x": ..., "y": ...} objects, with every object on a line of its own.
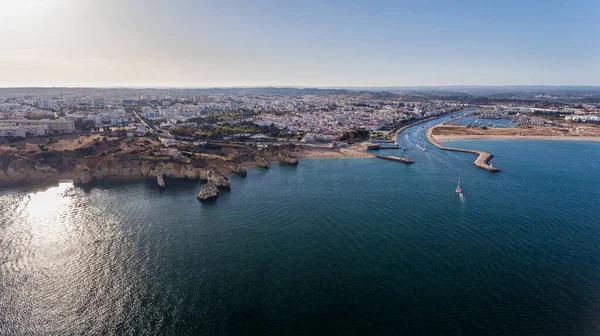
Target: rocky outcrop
[
  {"x": 278, "y": 149},
  {"x": 83, "y": 177},
  {"x": 214, "y": 177},
  {"x": 23, "y": 169},
  {"x": 233, "y": 167},
  {"x": 285, "y": 154},
  {"x": 287, "y": 159},
  {"x": 160, "y": 180},
  {"x": 261, "y": 161},
  {"x": 207, "y": 191}
]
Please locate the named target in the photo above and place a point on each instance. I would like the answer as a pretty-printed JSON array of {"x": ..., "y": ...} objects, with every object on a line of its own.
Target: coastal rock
[
  {"x": 160, "y": 180},
  {"x": 23, "y": 169},
  {"x": 237, "y": 169},
  {"x": 287, "y": 159},
  {"x": 83, "y": 177},
  {"x": 233, "y": 167},
  {"x": 214, "y": 177},
  {"x": 85, "y": 169},
  {"x": 208, "y": 191},
  {"x": 17, "y": 170},
  {"x": 261, "y": 161}
]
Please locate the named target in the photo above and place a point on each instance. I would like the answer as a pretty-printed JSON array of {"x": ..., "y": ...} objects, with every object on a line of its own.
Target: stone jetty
[
  {"x": 395, "y": 158},
  {"x": 483, "y": 158},
  {"x": 372, "y": 146}
]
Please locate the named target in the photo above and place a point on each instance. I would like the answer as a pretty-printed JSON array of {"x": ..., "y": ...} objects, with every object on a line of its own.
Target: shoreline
[
  {"x": 457, "y": 137},
  {"x": 318, "y": 153}
]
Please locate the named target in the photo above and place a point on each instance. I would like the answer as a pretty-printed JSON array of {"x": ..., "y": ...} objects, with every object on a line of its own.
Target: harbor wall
[{"x": 483, "y": 158}]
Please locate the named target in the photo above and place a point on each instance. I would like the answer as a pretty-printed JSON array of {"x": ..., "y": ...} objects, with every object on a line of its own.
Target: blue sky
[{"x": 305, "y": 43}]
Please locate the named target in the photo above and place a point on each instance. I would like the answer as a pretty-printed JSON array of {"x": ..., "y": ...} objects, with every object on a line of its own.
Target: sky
[{"x": 224, "y": 43}]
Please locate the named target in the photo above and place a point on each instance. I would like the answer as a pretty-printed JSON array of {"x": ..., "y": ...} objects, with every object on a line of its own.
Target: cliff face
[
  {"x": 21, "y": 169},
  {"x": 233, "y": 167},
  {"x": 285, "y": 150},
  {"x": 126, "y": 166},
  {"x": 89, "y": 168},
  {"x": 284, "y": 153},
  {"x": 287, "y": 159}
]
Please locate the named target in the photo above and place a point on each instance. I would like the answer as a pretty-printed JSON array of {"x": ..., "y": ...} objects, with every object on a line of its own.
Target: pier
[
  {"x": 372, "y": 146},
  {"x": 395, "y": 159},
  {"x": 483, "y": 158}
]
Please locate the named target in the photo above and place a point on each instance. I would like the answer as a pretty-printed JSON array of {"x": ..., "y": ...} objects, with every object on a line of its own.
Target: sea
[{"x": 331, "y": 246}]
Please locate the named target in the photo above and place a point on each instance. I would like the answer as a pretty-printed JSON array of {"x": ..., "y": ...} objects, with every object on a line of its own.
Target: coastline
[
  {"x": 456, "y": 137},
  {"x": 318, "y": 153}
]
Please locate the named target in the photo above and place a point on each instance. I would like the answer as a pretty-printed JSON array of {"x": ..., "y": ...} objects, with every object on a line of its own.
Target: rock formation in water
[
  {"x": 207, "y": 191},
  {"x": 160, "y": 180}
]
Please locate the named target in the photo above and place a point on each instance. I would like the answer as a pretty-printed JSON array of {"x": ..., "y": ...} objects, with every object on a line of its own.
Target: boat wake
[{"x": 462, "y": 198}]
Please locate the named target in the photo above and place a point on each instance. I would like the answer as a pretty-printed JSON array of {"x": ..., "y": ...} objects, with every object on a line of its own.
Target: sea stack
[
  {"x": 160, "y": 180},
  {"x": 208, "y": 191}
]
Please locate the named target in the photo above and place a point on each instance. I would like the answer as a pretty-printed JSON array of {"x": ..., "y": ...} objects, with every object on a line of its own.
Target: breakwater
[
  {"x": 395, "y": 158},
  {"x": 378, "y": 146},
  {"x": 483, "y": 158}
]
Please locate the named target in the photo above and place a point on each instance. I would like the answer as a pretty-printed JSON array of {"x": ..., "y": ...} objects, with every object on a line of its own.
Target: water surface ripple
[{"x": 329, "y": 247}]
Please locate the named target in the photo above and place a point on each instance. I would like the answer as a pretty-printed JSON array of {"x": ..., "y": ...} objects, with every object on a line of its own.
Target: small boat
[{"x": 458, "y": 190}]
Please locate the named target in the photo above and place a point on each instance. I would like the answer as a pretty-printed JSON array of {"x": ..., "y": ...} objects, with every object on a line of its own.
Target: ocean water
[{"x": 332, "y": 246}]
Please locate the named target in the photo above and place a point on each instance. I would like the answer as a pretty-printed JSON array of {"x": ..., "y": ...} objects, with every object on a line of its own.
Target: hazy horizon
[{"x": 186, "y": 44}]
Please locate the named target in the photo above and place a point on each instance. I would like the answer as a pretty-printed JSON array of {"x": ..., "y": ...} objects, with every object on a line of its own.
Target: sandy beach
[
  {"x": 576, "y": 133},
  {"x": 328, "y": 153}
]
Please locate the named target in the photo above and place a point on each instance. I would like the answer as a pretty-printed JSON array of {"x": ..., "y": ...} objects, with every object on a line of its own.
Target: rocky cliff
[
  {"x": 99, "y": 168},
  {"x": 287, "y": 159},
  {"x": 85, "y": 169},
  {"x": 260, "y": 160}
]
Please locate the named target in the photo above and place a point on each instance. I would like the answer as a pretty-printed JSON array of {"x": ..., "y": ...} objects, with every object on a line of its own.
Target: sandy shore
[
  {"x": 319, "y": 153},
  {"x": 328, "y": 153},
  {"x": 453, "y": 137}
]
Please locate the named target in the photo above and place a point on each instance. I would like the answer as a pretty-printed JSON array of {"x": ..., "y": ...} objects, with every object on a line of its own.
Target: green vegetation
[
  {"x": 355, "y": 134},
  {"x": 217, "y": 131}
]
